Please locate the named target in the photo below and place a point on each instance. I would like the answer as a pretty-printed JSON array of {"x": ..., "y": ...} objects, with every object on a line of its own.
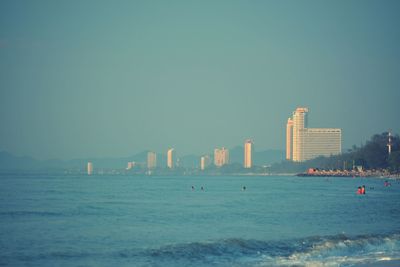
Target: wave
[
  {"x": 343, "y": 251},
  {"x": 29, "y": 213},
  {"x": 338, "y": 250}
]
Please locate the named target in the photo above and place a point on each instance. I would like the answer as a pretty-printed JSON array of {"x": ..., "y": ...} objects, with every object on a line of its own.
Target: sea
[{"x": 66, "y": 220}]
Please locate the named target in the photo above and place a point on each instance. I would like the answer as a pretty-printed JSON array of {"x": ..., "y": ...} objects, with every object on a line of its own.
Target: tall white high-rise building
[
  {"x": 299, "y": 123},
  {"x": 170, "y": 158},
  {"x": 89, "y": 168},
  {"x": 204, "y": 162},
  {"x": 248, "y": 154},
  {"x": 221, "y": 156},
  {"x": 151, "y": 160},
  {"x": 289, "y": 139},
  {"x": 303, "y": 143}
]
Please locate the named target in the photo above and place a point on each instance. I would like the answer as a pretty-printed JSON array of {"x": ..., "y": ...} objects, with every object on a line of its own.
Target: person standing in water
[
  {"x": 363, "y": 190},
  {"x": 359, "y": 191}
]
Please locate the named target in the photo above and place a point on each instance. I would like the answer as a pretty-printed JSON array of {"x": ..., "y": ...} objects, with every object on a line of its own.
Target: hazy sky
[{"x": 113, "y": 78}]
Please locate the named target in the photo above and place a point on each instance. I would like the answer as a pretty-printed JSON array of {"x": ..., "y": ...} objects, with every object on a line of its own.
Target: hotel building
[
  {"x": 221, "y": 156},
  {"x": 151, "y": 160},
  {"x": 303, "y": 143},
  {"x": 170, "y": 158},
  {"x": 248, "y": 153}
]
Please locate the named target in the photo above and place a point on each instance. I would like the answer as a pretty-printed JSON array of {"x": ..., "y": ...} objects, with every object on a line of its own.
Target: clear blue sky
[{"x": 113, "y": 78}]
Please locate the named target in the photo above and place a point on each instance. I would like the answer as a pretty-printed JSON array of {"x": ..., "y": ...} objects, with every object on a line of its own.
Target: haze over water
[{"x": 99, "y": 79}]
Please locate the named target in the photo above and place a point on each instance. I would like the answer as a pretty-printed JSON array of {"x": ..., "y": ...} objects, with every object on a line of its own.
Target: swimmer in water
[
  {"x": 202, "y": 188},
  {"x": 359, "y": 191},
  {"x": 192, "y": 188},
  {"x": 244, "y": 188},
  {"x": 363, "y": 190}
]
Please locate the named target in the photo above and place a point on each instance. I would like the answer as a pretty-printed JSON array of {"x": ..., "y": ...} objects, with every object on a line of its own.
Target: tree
[{"x": 394, "y": 161}]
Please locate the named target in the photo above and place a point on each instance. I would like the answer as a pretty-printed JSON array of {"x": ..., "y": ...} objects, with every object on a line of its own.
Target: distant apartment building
[
  {"x": 248, "y": 154},
  {"x": 151, "y": 160},
  {"x": 221, "y": 156},
  {"x": 170, "y": 158},
  {"x": 204, "y": 162},
  {"x": 130, "y": 165},
  {"x": 89, "y": 168},
  {"x": 303, "y": 143}
]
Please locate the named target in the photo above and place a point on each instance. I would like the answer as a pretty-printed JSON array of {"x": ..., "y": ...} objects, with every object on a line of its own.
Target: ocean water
[{"x": 161, "y": 221}]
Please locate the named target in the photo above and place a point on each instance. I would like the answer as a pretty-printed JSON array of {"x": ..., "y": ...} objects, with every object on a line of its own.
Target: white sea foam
[{"x": 341, "y": 251}]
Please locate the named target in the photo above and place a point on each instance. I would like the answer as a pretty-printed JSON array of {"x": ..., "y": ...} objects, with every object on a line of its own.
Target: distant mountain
[
  {"x": 268, "y": 157},
  {"x": 190, "y": 161},
  {"x": 11, "y": 162},
  {"x": 236, "y": 155}
]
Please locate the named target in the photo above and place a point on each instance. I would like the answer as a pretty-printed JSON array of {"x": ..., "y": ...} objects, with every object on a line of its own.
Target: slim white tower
[
  {"x": 89, "y": 168},
  {"x": 204, "y": 162},
  {"x": 299, "y": 123},
  {"x": 389, "y": 145},
  {"x": 289, "y": 139},
  {"x": 170, "y": 159},
  {"x": 248, "y": 153}
]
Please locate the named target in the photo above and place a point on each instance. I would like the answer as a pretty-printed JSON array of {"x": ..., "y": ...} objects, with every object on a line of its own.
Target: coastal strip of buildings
[{"x": 302, "y": 143}]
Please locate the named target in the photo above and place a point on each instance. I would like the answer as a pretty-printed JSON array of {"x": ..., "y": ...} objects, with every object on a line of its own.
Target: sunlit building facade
[
  {"x": 221, "y": 156},
  {"x": 151, "y": 160},
  {"x": 170, "y": 158},
  {"x": 320, "y": 142},
  {"x": 204, "y": 162},
  {"x": 130, "y": 165},
  {"x": 289, "y": 139},
  {"x": 248, "y": 154},
  {"x": 89, "y": 168},
  {"x": 303, "y": 143}
]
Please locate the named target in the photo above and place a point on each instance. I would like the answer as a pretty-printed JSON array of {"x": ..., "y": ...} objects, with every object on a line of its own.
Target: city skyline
[{"x": 81, "y": 80}]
